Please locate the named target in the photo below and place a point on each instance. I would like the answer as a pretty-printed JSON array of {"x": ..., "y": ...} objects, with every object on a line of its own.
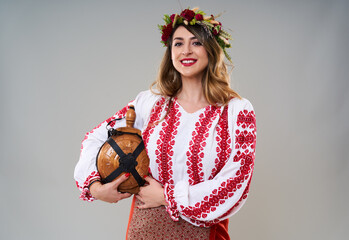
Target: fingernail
[{"x": 127, "y": 174}]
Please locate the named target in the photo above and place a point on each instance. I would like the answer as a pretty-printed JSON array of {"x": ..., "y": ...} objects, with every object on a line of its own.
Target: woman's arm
[
  {"x": 86, "y": 171},
  {"x": 109, "y": 192},
  {"x": 219, "y": 197}
]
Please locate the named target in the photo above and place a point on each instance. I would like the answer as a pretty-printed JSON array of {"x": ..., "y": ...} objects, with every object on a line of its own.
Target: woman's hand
[
  {"x": 109, "y": 192},
  {"x": 151, "y": 194}
]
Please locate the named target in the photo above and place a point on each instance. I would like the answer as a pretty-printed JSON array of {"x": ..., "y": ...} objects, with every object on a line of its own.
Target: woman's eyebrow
[{"x": 180, "y": 38}]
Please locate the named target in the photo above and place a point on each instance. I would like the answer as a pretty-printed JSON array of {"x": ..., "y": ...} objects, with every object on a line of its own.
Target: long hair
[{"x": 216, "y": 80}]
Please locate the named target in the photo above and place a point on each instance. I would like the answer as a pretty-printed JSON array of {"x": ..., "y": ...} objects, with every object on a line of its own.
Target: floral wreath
[{"x": 192, "y": 17}]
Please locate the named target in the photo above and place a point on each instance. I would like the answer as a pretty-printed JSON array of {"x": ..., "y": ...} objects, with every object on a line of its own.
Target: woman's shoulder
[
  {"x": 240, "y": 104},
  {"x": 147, "y": 96},
  {"x": 241, "y": 110},
  {"x": 145, "y": 101}
]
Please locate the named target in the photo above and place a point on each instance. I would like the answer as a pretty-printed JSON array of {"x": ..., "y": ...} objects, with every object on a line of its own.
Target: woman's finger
[
  {"x": 143, "y": 206},
  {"x": 139, "y": 198},
  {"x": 148, "y": 179},
  {"x": 124, "y": 195},
  {"x": 120, "y": 180}
]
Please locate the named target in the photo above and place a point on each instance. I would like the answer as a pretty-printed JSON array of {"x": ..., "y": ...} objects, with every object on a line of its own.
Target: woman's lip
[{"x": 188, "y": 62}]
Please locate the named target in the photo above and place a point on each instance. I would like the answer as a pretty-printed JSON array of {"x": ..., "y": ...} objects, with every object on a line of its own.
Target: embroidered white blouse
[{"x": 204, "y": 159}]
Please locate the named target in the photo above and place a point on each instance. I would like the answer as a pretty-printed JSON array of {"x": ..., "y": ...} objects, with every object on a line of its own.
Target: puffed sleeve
[
  {"x": 222, "y": 195},
  {"x": 86, "y": 171}
]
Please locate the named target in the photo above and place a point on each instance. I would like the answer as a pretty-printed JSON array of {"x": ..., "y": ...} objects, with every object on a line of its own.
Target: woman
[{"x": 199, "y": 134}]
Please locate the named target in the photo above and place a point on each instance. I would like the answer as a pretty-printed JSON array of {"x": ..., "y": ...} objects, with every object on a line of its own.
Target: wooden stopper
[{"x": 130, "y": 116}]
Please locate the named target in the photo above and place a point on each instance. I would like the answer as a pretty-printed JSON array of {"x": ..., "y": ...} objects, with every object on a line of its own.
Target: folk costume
[{"x": 204, "y": 160}]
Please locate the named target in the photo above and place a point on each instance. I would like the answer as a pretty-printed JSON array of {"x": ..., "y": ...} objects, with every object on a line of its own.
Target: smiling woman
[
  {"x": 214, "y": 80},
  {"x": 189, "y": 57},
  {"x": 200, "y": 136}
]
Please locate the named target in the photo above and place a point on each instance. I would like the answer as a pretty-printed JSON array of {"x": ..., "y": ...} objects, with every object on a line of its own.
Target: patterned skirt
[{"x": 155, "y": 223}]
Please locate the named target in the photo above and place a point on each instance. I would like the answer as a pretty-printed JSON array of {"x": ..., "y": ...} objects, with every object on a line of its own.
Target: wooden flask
[{"x": 108, "y": 160}]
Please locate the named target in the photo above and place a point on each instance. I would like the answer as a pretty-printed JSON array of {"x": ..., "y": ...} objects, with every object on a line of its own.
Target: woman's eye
[
  {"x": 197, "y": 43},
  {"x": 177, "y": 44}
]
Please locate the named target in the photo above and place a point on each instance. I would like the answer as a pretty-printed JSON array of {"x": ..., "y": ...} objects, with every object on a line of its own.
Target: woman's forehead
[{"x": 182, "y": 32}]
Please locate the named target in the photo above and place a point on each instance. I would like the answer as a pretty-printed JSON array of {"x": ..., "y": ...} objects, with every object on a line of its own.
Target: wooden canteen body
[{"x": 108, "y": 159}]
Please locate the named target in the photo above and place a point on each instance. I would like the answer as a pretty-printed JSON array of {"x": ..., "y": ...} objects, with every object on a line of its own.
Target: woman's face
[{"x": 189, "y": 57}]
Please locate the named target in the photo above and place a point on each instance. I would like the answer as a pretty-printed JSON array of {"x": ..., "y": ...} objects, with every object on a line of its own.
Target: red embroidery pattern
[
  {"x": 243, "y": 197},
  {"x": 197, "y": 144},
  {"x": 155, "y": 223},
  {"x": 205, "y": 224},
  {"x": 223, "y": 141},
  {"x": 172, "y": 205},
  {"x": 165, "y": 144},
  {"x": 220, "y": 195},
  {"x": 244, "y": 139},
  {"x": 242, "y": 156},
  {"x": 246, "y": 119},
  {"x": 154, "y": 117},
  {"x": 229, "y": 187},
  {"x": 85, "y": 194},
  {"x": 119, "y": 114},
  {"x": 78, "y": 186},
  {"x": 215, "y": 221}
]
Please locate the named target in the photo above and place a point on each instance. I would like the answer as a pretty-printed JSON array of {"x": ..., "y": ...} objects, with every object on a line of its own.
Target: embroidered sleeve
[
  {"x": 86, "y": 170},
  {"x": 172, "y": 204},
  {"x": 85, "y": 192},
  {"x": 225, "y": 191}
]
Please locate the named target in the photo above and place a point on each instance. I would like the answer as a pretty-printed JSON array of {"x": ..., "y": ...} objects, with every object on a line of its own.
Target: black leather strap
[
  {"x": 114, "y": 132},
  {"x": 133, "y": 171},
  {"x": 138, "y": 150},
  {"x": 116, "y": 147},
  {"x": 127, "y": 162}
]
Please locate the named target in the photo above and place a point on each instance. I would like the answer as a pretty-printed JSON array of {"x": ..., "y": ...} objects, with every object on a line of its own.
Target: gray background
[{"x": 65, "y": 66}]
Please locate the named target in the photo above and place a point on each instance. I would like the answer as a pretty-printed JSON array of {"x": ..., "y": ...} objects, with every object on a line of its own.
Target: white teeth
[{"x": 188, "y": 61}]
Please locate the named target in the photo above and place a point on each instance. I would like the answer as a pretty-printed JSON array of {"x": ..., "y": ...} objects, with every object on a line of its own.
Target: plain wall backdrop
[{"x": 65, "y": 66}]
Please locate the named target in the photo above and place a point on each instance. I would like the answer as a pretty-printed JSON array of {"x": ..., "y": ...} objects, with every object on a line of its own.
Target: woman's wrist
[{"x": 94, "y": 186}]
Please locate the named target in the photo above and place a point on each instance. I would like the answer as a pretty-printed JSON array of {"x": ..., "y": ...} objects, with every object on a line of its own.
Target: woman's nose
[{"x": 187, "y": 49}]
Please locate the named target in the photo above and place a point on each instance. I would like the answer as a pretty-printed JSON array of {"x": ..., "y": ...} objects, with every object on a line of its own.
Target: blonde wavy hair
[{"x": 216, "y": 80}]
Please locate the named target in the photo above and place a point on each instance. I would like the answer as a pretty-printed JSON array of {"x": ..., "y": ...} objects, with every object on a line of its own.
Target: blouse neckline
[{"x": 193, "y": 113}]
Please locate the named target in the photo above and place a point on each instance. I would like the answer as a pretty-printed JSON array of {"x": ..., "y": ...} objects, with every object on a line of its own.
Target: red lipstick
[{"x": 187, "y": 62}]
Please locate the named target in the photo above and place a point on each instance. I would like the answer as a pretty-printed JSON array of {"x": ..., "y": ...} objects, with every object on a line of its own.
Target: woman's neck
[{"x": 191, "y": 97}]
